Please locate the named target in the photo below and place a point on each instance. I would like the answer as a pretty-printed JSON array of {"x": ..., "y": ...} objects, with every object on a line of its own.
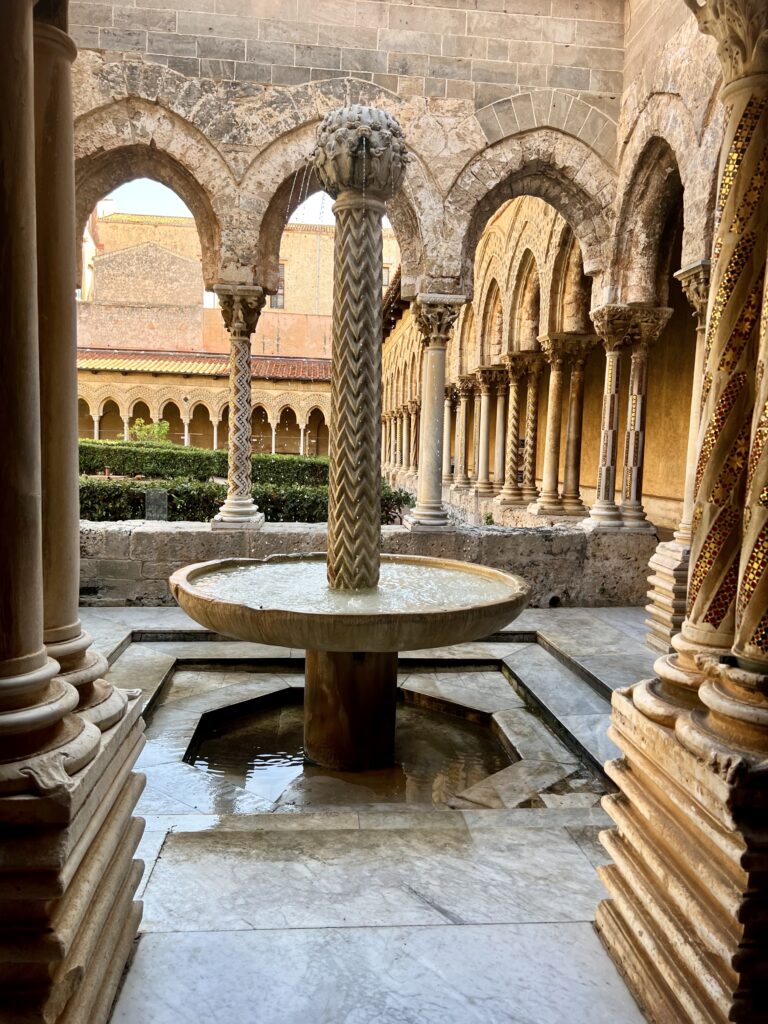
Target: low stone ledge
[{"x": 128, "y": 563}]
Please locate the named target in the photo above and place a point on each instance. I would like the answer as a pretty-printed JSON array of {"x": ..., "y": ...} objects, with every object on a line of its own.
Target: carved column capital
[
  {"x": 647, "y": 324},
  {"x": 695, "y": 284},
  {"x": 413, "y": 407},
  {"x": 485, "y": 379},
  {"x": 514, "y": 364},
  {"x": 465, "y": 387},
  {"x": 613, "y": 323},
  {"x": 435, "y": 317},
  {"x": 740, "y": 28},
  {"x": 241, "y": 307},
  {"x": 553, "y": 349},
  {"x": 533, "y": 363},
  {"x": 362, "y": 149}
]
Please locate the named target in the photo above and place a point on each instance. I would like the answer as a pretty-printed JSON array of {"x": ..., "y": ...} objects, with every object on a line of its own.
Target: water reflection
[{"x": 437, "y": 756}]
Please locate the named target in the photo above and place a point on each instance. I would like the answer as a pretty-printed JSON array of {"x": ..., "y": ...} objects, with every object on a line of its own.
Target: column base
[
  {"x": 546, "y": 505},
  {"x": 603, "y": 516},
  {"x": 688, "y": 874},
  {"x": 349, "y": 709},
  {"x": 484, "y": 489},
  {"x": 634, "y": 518},
  {"x": 223, "y": 522},
  {"x": 426, "y": 522},
  {"x": 529, "y": 494},
  {"x": 509, "y": 497},
  {"x": 573, "y": 506},
  {"x": 100, "y": 703},
  {"x": 669, "y": 585}
]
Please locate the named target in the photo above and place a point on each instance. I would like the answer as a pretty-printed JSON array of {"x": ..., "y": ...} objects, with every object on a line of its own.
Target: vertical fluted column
[
  {"x": 241, "y": 308},
  {"x": 41, "y": 741},
  {"x": 499, "y": 452},
  {"x": 64, "y": 638},
  {"x": 461, "y": 477},
  {"x": 511, "y": 494},
  {"x": 529, "y": 490},
  {"x": 578, "y": 351},
  {"x": 612, "y": 324},
  {"x": 435, "y": 315},
  {"x": 413, "y": 408},
  {"x": 647, "y": 325},
  {"x": 485, "y": 385},
  {"x": 447, "y": 407},
  {"x": 549, "y": 502}
]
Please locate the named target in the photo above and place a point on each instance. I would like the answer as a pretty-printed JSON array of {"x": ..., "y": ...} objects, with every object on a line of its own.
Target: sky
[{"x": 146, "y": 196}]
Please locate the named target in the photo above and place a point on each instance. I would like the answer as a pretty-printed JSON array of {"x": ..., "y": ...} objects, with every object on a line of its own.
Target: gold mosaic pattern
[
  {"x": 706, "y": 387},
  {"x": 733, "y": 469},
  {"x": 744, "y": 327},
  {"x": 751, "y": 197},
  {"x": 749, "y": 120},
  {"x": 754, "y": 570},
  {"x": 695, "y": 520},
  {"x": 758, "y": 445},
  {"x": 721, "y": 413},
  {"x": 736, "y": 263},
  {"x": 759, "y": 638},
  {"x": 723, "y": 599},
  {"x": 720, "y": 532}
]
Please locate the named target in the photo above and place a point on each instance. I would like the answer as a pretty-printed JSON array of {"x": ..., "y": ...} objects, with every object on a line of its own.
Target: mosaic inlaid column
[
  {"x": 435, "y": 316},
  {"x": 549, "y": 502},
  {"x": 578, "y": 350},
  {"x": 612, "y": 324},
  {"x": 686, "y": 920},
  {"x": 511, "y": 493},
  {"x": 447, "y": 408},
  {"x": 669, "y": 562},
  {"x": 529, "y": 490},
  {"x": 66, "y": 642},
  {"x": 413, "y": 458},
  {"x": 647, "y": 325},
  {"x": 485, "y": 387},
  {"x": 461, "y": 477},
  {"x": 241, "y": 308},
  {"x": 499, "y": 453}
]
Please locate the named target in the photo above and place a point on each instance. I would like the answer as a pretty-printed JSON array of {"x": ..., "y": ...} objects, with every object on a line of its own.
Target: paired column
[
  {"x": 647, "y": 325},
  {"x": 99, "y": 702},
  {"x": 485, "y": 387},
  {"x": 448, "y": 405},
  {"x": 534, "y": 366},
  {"x": 215, "y": 425},
  {"x": 241, "y": 307},
  {"x": 96, "y": 420},
  {"x": 476, "y": 417},
  {"x": 498, "y": 441},
  {"x": 549, "y": 502},
  {"x": 126, "y": 428},
  {"x": 460, "y": 476},
  {"x": 688, "y": 884},
  {"x": 578, "y": 349},
  {"x": 612, "y": 324},
  {"x": 435, "y": 316},
  {"x": 413, "y": 412},
  {"x": 511, "y": 493},
  {"x": 302, "y": 432},
  {"x": 406, "y": 458}
]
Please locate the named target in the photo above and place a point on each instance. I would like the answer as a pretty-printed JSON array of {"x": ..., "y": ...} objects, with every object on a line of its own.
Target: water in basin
[
  {"x": 436, "y": 756},
  {"x": 302, "y": 586}
]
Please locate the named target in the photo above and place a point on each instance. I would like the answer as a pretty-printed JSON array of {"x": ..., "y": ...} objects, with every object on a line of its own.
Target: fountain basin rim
[{"x": 409, "y": 629}]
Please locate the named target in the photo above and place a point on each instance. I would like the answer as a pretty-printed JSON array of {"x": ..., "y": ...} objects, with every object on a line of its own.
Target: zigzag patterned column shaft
[
  {"x": 354, "y": 511},
  {"x": 531, "y": 430},
  {"x": 510, "y": 492}
]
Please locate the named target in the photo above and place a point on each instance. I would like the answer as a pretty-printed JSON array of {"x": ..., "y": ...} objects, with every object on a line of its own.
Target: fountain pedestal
[{"x": 349, "y": 709}]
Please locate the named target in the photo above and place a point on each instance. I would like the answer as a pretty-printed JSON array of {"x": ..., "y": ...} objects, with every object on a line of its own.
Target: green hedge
[
  {"x": 103, "y": 500},
  {"x": 171, "y": 462}
]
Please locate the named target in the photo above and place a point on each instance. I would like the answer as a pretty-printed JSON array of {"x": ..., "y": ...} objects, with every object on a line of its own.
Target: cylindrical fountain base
[{"x": 349, "y": 709}]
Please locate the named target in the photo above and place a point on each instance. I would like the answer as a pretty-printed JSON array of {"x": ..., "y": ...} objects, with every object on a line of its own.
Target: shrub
[{"x": 157, "y": 432}]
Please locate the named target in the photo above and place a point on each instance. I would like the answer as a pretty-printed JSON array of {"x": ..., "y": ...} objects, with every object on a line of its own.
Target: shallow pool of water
[
  {"x": 437, "y": 756},
  {"x": 302, "y": 586}
]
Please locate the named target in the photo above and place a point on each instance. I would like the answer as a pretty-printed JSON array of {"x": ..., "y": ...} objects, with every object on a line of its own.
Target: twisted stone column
[
  {"x": 65, "y": 640},
  {"x": 511, "y": 494},
  {"x": 612, "y": 324},
  {"x": 485, "y": 386},
  {"x": 669, "y": 563},
  {"x": 690, "y": 866},
  {"x": 435, "y": 315},
  {"x": 578, "y": 350},
  {"x": 548, "y": 501},
  {"x": 241, "y": 308},
  {"x": 448, "y": 404},
  {"x": 461, "y": 477},
  {"x": 500, "y": 380},
  {"x": 413, "y": 408},
  {"x": 647, "y": 325},
  {"x": 529, "y": 490}
]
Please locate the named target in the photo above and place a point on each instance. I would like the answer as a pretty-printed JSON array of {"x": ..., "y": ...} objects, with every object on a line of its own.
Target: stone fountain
[{"x": 354, "y": 610}]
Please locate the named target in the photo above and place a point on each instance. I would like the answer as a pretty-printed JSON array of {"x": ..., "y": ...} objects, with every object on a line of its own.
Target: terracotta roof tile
[{"x": 202, "y": 364}]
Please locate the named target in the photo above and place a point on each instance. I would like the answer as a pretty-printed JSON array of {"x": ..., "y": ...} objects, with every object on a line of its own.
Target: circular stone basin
[{"x": 285, "y": 601}]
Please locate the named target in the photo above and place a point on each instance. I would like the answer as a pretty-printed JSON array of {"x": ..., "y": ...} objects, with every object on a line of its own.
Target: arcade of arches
[{"x": 574, "y": 344}]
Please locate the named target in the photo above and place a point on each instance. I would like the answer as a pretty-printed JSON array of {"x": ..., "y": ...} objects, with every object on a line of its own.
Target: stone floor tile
[
  {"x": 617, "y": 670},
  {"x": 514, "y": 785},
  {"x": 200, "y": 791},
  {"x": 592, "y": 732},
  {"x": 481, "y": 691},
  {"x": 530, "y": 738},
  {"x": 148, "y": 851},
  {"x": 586, "y": 837}
]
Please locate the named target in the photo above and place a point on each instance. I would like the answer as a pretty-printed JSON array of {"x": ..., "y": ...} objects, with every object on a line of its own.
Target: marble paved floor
[{"x": 372, "y": 914}]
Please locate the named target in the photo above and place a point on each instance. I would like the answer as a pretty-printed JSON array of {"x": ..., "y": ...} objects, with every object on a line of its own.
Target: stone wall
[{"x": 129, "y": 563}]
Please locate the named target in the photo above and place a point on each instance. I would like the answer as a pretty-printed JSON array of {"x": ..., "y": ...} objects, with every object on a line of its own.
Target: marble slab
[
  {"x": 481, "y": 691},
  {"x": 515, "y": 785},
  {"x": 490, "y": 974},
  {"x": 530, "y": 738}
]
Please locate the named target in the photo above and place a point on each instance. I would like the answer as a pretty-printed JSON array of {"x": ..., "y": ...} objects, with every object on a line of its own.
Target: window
[
  {"x": 277, "y": 301},
  {"x": 385, "y": 277}
]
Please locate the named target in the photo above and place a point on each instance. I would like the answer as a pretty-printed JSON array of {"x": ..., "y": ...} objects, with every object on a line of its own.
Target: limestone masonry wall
[{"x": 129, "y": 563}]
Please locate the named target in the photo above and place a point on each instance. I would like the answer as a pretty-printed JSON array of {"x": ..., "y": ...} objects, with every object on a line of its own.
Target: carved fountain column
[
  {"x": 612, "y": 324},
  {"x": 578, "y": 347},
  {"x": 241, "y": 307},
  {"x": 360, "y": 160},
  {"x": 534, "y": 365},
  {"x": 669, "y": 562},
  {"x": 549, "y": 501},
  {"x": 686, "y": 921},
  {"x": 435, "y": 315},
  {"x": 647, "y": 325},
  {"x": 511, "y": 494}
]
